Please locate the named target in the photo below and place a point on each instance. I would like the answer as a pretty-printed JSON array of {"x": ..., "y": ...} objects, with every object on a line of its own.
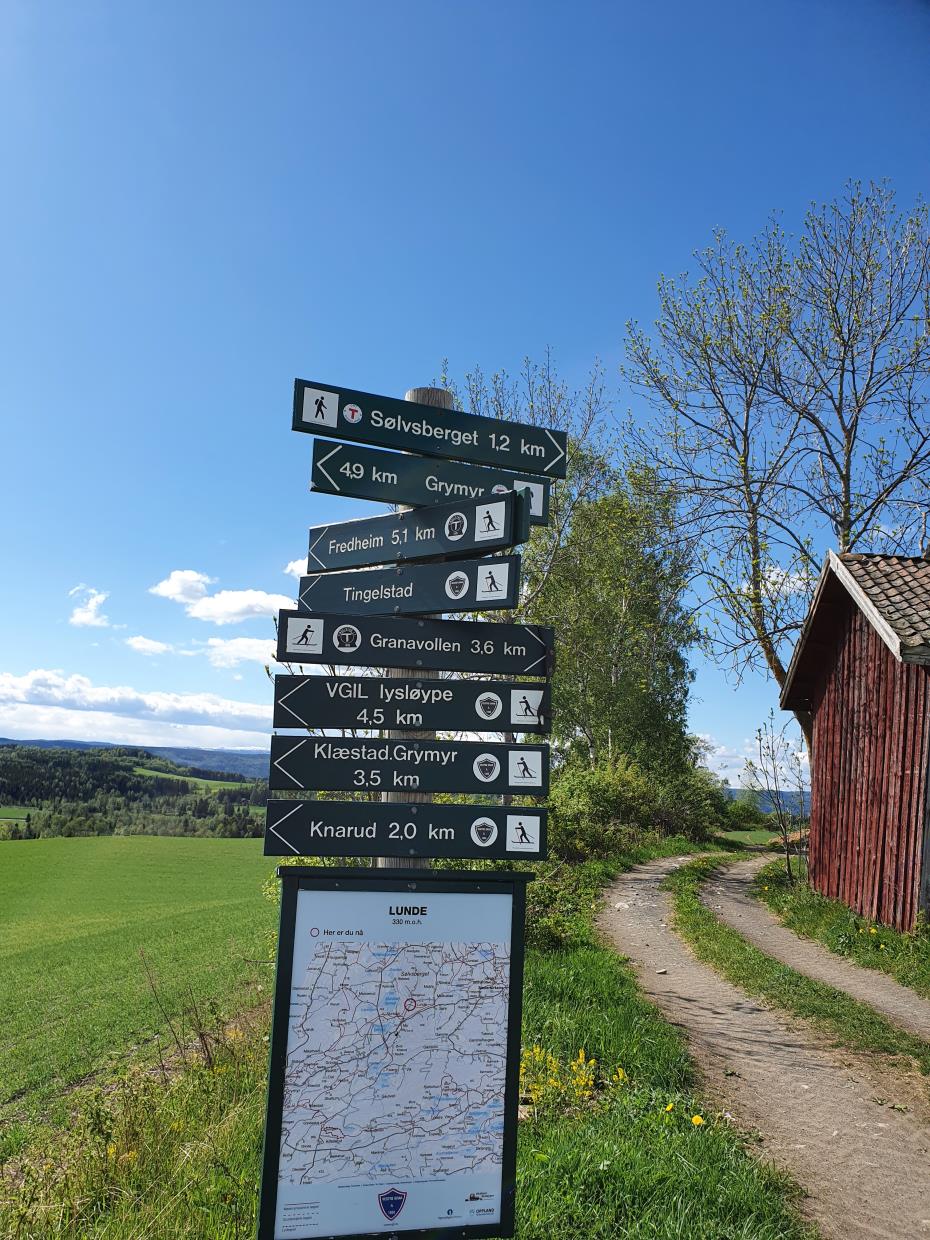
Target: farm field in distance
[
  {"x": 207, "y": 785},
  {"x": 75, "y": 914}
]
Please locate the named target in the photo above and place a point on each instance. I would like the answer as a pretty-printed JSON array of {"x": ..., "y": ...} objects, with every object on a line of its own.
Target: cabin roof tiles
[{"x": 892, "y": 591}]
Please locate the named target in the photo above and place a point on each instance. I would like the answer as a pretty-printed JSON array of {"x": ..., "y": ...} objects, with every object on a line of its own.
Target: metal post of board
[{"x": 440, "y": 399}]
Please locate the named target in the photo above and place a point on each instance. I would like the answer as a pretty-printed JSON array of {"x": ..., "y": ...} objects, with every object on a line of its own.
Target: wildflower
[
  {"x": 697, "y": 1121},
  {"x": 872, "y": 930},
  {"x": 670, "y": 1107},
  {"x": 881, "y": 947},
  {"x": 111, "y": 1150},
  {"x": 619, "y": 1077},
  {"x": 766, "y": 887},
  {"x": 130, "y": 1156}
]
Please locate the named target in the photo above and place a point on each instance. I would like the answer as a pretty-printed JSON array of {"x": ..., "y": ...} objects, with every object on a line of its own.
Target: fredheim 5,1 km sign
[
  {"x": 450, "y": 530},
  {"x": 360, "y": 417},
  {"x": 370, "y": 764},
  {"x": 398, "y": 703},
  {"x": 393, "y": 478},
  {"x": 415, "y": 589},
  {"x": 360, "y": 828}
]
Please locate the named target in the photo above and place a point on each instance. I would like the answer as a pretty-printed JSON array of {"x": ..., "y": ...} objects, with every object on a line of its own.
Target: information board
[
  {"x": 447, "y": 530},
  {"x": 394, "y": 478},
  {"x": 392, "y": 641},
  {"x": 360, "y": 828},
  {"x": 361, "y": 417},
  {"x": 399, "y": 703},
  {"x": 372, "y": 764},
  {"x": 395, "y": 1047}
]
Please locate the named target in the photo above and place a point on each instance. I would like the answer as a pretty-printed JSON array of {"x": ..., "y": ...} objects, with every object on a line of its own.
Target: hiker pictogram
[{"x": 320, "y": 405}]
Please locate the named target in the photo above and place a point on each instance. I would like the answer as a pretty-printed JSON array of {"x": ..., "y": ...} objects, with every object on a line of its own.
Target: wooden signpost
[{"x": 396, "y": 1114}]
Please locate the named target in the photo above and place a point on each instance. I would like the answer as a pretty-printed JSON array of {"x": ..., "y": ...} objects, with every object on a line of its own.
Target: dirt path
[
  {"x": 865, "y": 1166},
  {"x": 728, "y": 894}
]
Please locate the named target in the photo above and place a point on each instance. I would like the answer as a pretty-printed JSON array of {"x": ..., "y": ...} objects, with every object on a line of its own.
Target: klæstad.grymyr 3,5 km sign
[{"x": 361, "y": 417}]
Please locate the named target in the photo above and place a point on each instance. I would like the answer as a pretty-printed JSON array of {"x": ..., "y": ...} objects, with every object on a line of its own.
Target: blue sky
[{"x": 203, "y": 201}]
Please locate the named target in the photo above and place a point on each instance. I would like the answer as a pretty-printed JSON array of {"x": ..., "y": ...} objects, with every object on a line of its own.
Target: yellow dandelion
[
  {"x": 111, "y": 1150},
  {"x": 872, "y": 930},
  {"x": 697, "y": 1121},
  {"x": 670, "y": 1107}
]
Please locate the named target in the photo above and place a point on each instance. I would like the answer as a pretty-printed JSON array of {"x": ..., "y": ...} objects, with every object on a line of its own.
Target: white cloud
[
  {"x": 24, "y": 722},
  {"x": 186, "y": 586},
  {"x": 231, "y": 651},
  {"x": 183, "y": 585},
  {"x": 87, "y": 610},
  {"x": 233, "y": 606},
  {"x": 147, "y": 645},
  {"x": 52, "y": 688},
  {"x": 296, "y": 568}
]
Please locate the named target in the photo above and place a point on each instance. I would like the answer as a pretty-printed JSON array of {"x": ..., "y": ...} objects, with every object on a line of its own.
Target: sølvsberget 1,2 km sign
[
  {"x": 370, "y": 764},
  {"x": 415, "y": 589},
  {"x": 393, "y": 641},
  {"x": 360, "y": 417},
  {"x": 450, "y": 530},
  {"x": 393, "y": 478},
  {"x": 366, "y": 828},
  {"x": 400, "y": 703}
]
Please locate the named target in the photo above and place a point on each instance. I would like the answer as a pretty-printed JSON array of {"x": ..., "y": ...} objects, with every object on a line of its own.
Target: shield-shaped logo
[
  {"x": 489, "y": 704},
  {"x": 486, "y": 767},
  {"x": 484, "y": 831},
  {"x": 456, "y": 585},
  {"x": 391, "y": 1203}
]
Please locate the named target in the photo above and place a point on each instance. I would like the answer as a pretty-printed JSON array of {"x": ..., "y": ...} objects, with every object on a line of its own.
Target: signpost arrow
[
  {"x": 416, "y": 589},
  {"x": 448, "y": 530},
  {"x": 436, "y": 705},
  {"x": 369, "y": 828},
  {"x": 360, "y": 417},
  {"x": 393, "y": 478},
  {"x": 355, "y": 764},
  {"x": 391, "y": 641}
]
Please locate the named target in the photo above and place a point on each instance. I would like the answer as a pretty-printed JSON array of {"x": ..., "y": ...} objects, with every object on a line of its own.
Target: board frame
[{"x": 314, "y": 878}]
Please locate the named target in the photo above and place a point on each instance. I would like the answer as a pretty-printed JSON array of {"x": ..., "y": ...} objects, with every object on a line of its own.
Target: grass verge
[
  {"x": 906, "y": 957},
  {"x": 833, "y": 1012},
  {"x": 615, "y": 1145}
]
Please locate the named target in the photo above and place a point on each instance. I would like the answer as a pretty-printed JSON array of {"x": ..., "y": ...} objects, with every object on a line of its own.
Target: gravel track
[{"x": 825, "y": 1117}]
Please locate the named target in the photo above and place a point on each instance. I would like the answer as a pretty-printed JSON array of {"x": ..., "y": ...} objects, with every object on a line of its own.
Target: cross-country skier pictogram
[
  {"x": 305, "y": 637},
  {"x": 525, "y": 771},
  {"x": 522, "y": 838},
  {"x": 320, "y": 406},
  {"x": 526, "y": 710},
  {"x": 489, "y": 525},
  {"x": 492, "y": 582}
]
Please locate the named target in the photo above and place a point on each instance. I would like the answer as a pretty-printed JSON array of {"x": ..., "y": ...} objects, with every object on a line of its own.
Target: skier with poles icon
[
  {"x": 526, "y": 710},
  {"x": 522, "y": 837},
  {"x": 305, "y": 637},
  {"x": 489, "y": 525},
  {"x": 525, "y": 772},
  {"x": 320, "y": 406},
  {"x": 492, "y": 583}
]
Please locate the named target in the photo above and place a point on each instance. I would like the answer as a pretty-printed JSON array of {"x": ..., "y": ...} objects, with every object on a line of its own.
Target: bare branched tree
[{"x": 792, "y": 384}]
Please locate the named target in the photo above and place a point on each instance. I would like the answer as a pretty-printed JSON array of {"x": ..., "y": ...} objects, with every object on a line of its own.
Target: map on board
[{"x": 394, "y": 1085}]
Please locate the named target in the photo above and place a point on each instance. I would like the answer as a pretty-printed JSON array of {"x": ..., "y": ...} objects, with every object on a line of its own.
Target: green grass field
[
  {"x": 75, "y": 914},
  {"x": 208, "y": 785},
  {"x": 14, "y": 813},
  {"x": 760, "y": 835}
]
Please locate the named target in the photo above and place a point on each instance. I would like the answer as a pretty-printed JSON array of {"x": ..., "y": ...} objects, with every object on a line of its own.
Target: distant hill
[
  {"x": 791, "y": 801},
  {"x": 251, "y": 763}
]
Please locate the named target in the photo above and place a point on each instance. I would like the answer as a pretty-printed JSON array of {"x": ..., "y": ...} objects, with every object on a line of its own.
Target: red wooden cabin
[{"x": 862, "y": 669}]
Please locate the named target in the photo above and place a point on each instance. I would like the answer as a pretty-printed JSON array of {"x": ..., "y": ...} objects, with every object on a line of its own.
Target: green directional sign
[
  {"x": 448, "y": 530},
  {"x": 415, "y": 589},
  {"x": 367, "y": 829},
  {"x": 394, "y": 478},
  {"x": 360, "y": 417}
]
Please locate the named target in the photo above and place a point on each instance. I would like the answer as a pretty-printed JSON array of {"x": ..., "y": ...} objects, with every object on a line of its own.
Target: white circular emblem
[
  {"x": 484, "y": 831},
  {"x": 456, "y": 584},
  {"x": 486, "y": 767},
  {"x": 488, "y": 705},
  {"x": 352, "y": 413},
  {"x": 456, "y": 526},
  {"x": 499, "y": 489},
  {"x": 347, "y": 637}
]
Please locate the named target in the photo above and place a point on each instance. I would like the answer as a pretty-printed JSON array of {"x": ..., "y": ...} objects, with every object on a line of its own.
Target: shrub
[{"x": 598, "y": 811}]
